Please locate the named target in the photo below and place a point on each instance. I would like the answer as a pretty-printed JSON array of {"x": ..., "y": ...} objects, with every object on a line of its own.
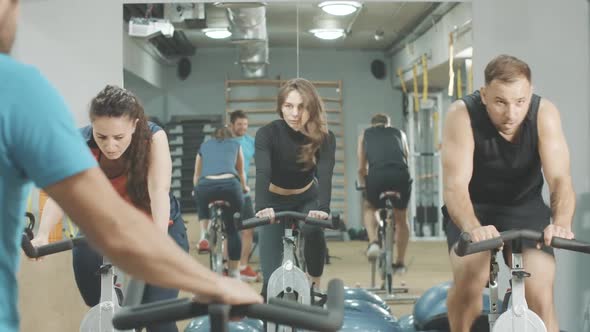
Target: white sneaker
[{"x": 373, "y": 251}]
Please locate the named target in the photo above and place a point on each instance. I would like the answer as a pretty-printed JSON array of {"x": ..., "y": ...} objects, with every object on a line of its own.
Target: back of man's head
[{"x": 380, "y": 119}]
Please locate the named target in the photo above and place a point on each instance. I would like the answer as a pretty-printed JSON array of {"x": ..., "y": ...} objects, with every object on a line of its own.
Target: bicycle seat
[
  {"x": 390, "y": 194},
  {"x": 219, "y": 203}
]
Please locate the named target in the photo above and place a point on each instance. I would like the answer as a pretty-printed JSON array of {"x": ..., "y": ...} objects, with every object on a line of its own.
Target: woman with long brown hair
[
  {"x": 134, "y": 155},
  {"x": 295, "y": 158}
]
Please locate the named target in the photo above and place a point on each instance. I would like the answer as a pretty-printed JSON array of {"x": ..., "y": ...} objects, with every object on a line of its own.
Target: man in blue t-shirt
[
  {"x": 39, "y": 143},
  {"x": 239, "y": 127}
]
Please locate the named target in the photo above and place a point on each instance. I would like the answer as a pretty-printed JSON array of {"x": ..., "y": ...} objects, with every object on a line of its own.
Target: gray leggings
[{"x": 271, "y": 236}]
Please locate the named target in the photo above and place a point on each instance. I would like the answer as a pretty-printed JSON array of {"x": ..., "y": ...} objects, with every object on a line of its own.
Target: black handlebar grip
[
  {"x": 466, "y": 247},
  {"x": 573, "y": 245},
  {"x": 28, "y": 247},
  {"x": 463, "y": 244}
]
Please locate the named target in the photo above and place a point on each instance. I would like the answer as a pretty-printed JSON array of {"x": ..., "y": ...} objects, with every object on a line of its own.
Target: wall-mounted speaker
[
  {"x": 378, "y": 69},
  {"x": 183, "y": 69}
]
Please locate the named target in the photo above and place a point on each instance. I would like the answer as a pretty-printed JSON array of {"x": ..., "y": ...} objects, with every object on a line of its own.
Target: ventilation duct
[{"x": 248, "y": 27}]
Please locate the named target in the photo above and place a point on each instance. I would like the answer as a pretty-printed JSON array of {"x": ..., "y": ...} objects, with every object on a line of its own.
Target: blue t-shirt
[
  {"x": 219, "y": 157},
  {"x": 247, "y": 144},
  {"x": 38, "y": 142}
]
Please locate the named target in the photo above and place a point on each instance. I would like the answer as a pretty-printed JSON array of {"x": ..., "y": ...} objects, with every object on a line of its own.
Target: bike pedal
[{"x": 521, "y": 274}]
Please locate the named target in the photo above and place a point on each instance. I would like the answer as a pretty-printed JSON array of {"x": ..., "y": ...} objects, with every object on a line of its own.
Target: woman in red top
[{"x": 134, "y": 154}]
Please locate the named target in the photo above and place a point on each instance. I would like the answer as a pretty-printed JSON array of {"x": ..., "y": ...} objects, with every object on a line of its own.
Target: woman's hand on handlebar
[
  {"x": 267, "y": 213},
  {"x": 557, "y": 231},
  {"x": 316, "y": 214}
]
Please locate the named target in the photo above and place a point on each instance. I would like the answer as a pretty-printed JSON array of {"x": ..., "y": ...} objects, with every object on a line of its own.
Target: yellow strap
[
  {"x": 459, "y": 84},
  {"x": 70, "y": 229},
  {"x": 30, "y": 202},
  {"x": 424, "y": 78},
  {"x": 416, "y": 99},
  {"x": 451, "y": 58},
  {"x": 401, "y": 79}
]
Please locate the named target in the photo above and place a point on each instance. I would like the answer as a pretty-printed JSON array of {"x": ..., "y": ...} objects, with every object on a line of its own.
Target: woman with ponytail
[
  {"x": 134, "y": 155},
  {"x": 295, "y": 158}
]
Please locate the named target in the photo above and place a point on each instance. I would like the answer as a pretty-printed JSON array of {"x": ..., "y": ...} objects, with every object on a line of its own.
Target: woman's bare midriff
[{"x": 288, "y": 192}]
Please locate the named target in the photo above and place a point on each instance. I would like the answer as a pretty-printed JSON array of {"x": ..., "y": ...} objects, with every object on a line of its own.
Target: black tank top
[
  {"x": 384, "y": 148},
  {"x": 504, "y": 173}
]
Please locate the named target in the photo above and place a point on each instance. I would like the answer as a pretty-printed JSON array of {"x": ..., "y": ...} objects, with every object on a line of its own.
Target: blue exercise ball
[
  {"x": 202, "y": 324},
  {"x": 356, "y": 293},
  {"x": 431, "y": 312},
  {"x": 407, "y": 324},
  {"x": 361, "y": 315},
  {"x": 431, "y": 305},
  {"x": 255, "y": 323}
]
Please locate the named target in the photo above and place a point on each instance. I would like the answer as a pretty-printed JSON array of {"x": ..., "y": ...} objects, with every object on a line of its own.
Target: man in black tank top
[
  {"x": 495, "y": 143},
  {"x": 383, "y": 166}
]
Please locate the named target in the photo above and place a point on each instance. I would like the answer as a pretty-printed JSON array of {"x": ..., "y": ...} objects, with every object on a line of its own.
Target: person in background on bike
[
  {"x": 219, "y": 175},
  {"x": 496, "y": 141},
  {"x": 295, "y": 159},
  {"x": 239, "y": 128},
  {"x": 382, "y": 153}
]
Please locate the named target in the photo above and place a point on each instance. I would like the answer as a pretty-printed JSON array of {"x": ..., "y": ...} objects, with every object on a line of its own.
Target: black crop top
[{"x": 277, "y": 148}]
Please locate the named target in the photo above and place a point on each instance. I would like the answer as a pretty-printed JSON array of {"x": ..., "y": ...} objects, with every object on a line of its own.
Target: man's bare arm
[
  {"x": 362, "y": 160},
  {"x": 555, "y": 159},
  {"x": 457, "y": 162}
]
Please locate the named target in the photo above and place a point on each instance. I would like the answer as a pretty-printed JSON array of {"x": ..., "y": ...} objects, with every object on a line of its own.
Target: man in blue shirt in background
[
  {"x": 39, "y": 143},
  {"x": 239, "y": 127}
]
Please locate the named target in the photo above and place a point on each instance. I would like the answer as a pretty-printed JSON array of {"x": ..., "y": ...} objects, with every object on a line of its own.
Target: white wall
[
  {"x": 76, "y": 44},
  {"x": 553, "y": 37}
]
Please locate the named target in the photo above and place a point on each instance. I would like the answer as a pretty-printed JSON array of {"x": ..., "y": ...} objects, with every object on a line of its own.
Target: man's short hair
[
  {"x": 237, "y": 114},
  {"x": 506, "y": 69},
  {"x": 379, "y": 119}
]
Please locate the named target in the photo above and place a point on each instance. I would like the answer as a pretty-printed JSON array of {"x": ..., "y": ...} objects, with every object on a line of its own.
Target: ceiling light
[
  {"x": 328, "y": 34},
  {"x": 379, "y": 34},
  {"x": 340, "y": 8},
  {"x": 217, "y": 33},
  {"x": 466, "y": 53}
]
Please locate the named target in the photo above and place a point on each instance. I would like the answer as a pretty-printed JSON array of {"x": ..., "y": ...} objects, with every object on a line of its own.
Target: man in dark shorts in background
[{"x": 383, "y": 166}]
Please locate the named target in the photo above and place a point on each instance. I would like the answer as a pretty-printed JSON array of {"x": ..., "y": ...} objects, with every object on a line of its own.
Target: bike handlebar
[
  {"x": 280, "y": 311},
  {"x": 465, "y": 247},
  {"x": 52, "y": 248},
  {"x": 332, "y": 223}
]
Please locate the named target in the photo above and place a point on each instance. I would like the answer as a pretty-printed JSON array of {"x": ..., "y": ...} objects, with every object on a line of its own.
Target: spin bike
[
  {"x": 279, "y": 311},
  {"x": 515, "y": 316},
  {"x": 216, "y": 234},
  {"x": 99, "y": 317},
  {"x": 384, "y": 261},
  {"x": 289, "y": 281}
]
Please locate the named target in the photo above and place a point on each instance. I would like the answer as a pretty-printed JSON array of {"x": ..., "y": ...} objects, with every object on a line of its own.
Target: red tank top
[{"x": 119, "y": 182}]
